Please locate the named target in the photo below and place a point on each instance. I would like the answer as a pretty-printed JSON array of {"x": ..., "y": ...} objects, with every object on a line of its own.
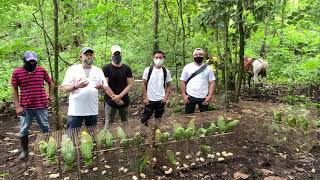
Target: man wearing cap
[
  {"x": 83, "y": 81},
  {"x": 120, "y": 81},
  {"x": 197, "y": 83},
  {"x": 30, "y": 98}
]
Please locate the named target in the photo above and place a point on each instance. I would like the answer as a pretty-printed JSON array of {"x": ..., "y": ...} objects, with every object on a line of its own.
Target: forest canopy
[{"x": 286, "y": 33}]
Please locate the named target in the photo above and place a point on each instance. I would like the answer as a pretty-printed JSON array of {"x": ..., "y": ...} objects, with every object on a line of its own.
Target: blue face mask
[
  {"x": 89, "y": 61},
  {"x": 116, "y": 59}
]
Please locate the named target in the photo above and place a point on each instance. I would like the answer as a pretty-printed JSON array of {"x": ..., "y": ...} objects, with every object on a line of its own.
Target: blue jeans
[
  {"x": 111, "y": 113},
  {"x": 41, "y": 116},
  {"x": 76, "y": 121}
]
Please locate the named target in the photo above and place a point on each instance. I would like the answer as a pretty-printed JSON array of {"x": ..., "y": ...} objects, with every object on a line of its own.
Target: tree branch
[{"x": 46, "y": 33}]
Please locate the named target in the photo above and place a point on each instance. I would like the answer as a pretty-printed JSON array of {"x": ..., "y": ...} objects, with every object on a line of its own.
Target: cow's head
[{"x": 247, "y": 62}]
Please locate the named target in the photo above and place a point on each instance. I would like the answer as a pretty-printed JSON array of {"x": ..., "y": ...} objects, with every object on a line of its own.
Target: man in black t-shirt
[{"x": 120, "y": 81}]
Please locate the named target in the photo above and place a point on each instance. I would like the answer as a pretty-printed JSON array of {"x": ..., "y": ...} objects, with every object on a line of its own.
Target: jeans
[
  {"x": 41, "y": 116},
  {"x": 154, "y": 106},
  {"x": 76, "y": 121},
  {"x": 191, "y": 105},
  {"x": 111, "y": 113}
]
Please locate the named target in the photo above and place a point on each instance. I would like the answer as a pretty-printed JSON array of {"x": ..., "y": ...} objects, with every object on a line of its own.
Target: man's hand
[
  {"x": 185, "y": 99},
  {"x": 165, "y": 99},
  {"x": 116, "y": 98},
  {"x": 207, "y": 100},
  {"x": 81, "y": 83},
  {"x": 99, "y": 86},
  {"x": 20, "y": 111},
  {"x": 119, "y": 103},
  {"x": 145, "y": 101}
]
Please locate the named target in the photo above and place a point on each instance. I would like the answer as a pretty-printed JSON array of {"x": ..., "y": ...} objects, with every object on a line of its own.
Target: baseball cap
[
  {"x": 30, "y": 55},
  {"x": 85, "y": 49},
  {"x": 115, "y": 48},
  {"x": 198, "y": 50}
]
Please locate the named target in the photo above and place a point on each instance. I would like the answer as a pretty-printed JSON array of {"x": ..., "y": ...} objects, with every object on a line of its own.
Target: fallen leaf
[
  {"x": 240, "y": 175},
  {"x": 14, "y": 151},
  {"x": 266, "y": 172},
  {"x": 7, "y": 139},
  {"x": 274, "y": 178},
  {"x": 313, "y": 170},
  {"x": 299, "y": 169},
  {"x": 284, "y": 156}
]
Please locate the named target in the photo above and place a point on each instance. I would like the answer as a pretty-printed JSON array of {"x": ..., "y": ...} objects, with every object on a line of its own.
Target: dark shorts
[
  {"x": 191, "y": 105},
  {"x": 154, "y": 106}
]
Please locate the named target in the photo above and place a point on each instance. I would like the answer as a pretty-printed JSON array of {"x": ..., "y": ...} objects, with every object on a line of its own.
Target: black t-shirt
[{"x": 117, "y": 81}]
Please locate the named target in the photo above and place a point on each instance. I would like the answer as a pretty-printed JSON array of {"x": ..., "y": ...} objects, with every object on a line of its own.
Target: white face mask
[{"x": 158, "y": 62}]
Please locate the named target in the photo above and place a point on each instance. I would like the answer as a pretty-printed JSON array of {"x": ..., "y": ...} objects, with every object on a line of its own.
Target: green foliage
[
  {"x": 101, "y": 24},
  {"x": 292, "y": 100}
]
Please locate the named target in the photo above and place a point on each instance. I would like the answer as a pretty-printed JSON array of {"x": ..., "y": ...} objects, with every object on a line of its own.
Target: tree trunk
[
  {"x": 217, "y": 37},
  {"x": 283, "y": 11},
  {"x": 180, "y": 3},
  {"x": 217, "y": 44},
  {"x": 241, "y": 50},
  {"x": 263, "y": 44},
  {"x": 226, "y": 58},
  {"x": 174, "y": 41},
  {"x": 155, "y": 25},
  {"x": 56, "y": 67}
]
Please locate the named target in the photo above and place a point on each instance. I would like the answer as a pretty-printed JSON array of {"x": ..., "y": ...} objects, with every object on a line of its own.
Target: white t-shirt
[
  {"x": 198, "y": 86},
  {"x": 155, "y": 89},
  {"x": 84, "y": 101}
]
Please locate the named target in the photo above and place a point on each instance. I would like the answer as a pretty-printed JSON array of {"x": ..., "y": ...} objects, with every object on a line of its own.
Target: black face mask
[
  {"x": 116, "y": 59},
  {"x": 198, "y": 59},
  {"x": 29, "y": 67}
]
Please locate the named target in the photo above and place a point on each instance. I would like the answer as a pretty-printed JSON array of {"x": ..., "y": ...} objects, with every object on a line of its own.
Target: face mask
[
  {"x": 198, "y": 59},
  {"x": 158, "y": 62},
  {"x": 116, "y": 59},
  {"x": 88, "y": 61},
  {"x": 29, "y": 67}
]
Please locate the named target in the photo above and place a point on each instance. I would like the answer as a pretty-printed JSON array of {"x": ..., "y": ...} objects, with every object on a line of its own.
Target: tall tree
[
  {"x": 180, "y": 4},
  {"x": 226, "y": 56},
  {"x": 56, "y": 64},
  {"x": 241, "y": 51},
  {"x": 283, "y": 11},
  {"x": 155, "y": 25},
  {"x": 172, "y": 41}
]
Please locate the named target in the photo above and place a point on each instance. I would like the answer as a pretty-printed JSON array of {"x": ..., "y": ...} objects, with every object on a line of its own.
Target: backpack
[{"x": 164, "y": 74}]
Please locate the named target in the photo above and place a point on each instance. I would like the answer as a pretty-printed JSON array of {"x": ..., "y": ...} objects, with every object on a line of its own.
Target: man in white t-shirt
[
  {"x": 83, "y": 81},
  {"x": 155, "y": 88},
  {"x": 199, "y": 89}
]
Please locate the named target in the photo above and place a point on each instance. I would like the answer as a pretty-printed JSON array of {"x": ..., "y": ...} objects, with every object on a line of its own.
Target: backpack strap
[
  {"x": 149, "y": 73},
  {"x": 165, "y": 77},
  {"x": 197, "y": 72}
]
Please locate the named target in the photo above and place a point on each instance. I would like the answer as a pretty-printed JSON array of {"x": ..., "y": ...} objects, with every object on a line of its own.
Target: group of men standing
[{"x": 83, "y": 82}]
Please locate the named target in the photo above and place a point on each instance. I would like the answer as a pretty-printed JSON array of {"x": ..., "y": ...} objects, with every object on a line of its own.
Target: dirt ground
[{"x": 258, "y": 157}]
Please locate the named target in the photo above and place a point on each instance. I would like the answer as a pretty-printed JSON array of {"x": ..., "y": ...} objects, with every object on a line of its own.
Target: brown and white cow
[{"x": 256, "y": 68}]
